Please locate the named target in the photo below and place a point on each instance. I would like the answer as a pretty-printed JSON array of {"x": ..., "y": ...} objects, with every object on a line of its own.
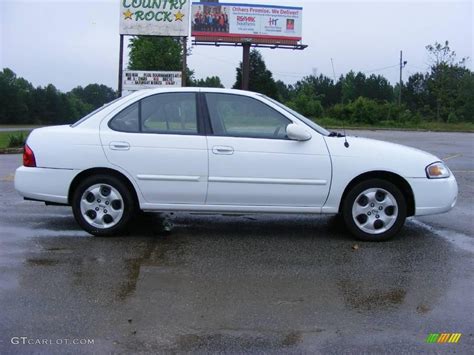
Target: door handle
[
  {"x": 119, "y": 145},
  {"x": 223, "y": 150}
]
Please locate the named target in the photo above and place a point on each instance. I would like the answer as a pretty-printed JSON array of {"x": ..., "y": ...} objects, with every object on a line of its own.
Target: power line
[{"x": 378, "y": 69}]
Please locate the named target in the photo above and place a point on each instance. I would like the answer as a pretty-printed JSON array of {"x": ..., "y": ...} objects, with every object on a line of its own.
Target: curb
[
  {"x": 397, "y": 129},
  {"x": 11, "y": 151}
]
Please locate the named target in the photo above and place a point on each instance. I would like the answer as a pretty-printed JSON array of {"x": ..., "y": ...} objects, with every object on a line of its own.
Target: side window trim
[
  {"x": 204, "y": 117},
  {"x": 200, "y": 117},
  {"x": 212, "y": 130}
]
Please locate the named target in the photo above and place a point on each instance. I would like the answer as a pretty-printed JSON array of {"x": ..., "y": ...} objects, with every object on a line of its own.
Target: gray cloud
[{"x": 70, "y": 43}]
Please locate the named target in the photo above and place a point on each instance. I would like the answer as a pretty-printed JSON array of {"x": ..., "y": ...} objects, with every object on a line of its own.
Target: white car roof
[{"x": 148, "y": 92}]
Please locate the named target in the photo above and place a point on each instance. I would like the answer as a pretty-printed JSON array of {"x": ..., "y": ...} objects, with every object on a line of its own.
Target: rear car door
[
  {"x": 158, "y": 141},
  {"x": 252, "y": 162}
]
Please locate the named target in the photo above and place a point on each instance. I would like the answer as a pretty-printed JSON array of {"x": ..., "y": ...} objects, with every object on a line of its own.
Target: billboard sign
[
  {"x": 155, "y": 17},
  {"x": 245, "y": 21},
  {"x": 134, "y": 80}
]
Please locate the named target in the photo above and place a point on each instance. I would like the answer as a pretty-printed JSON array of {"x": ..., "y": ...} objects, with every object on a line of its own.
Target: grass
[
  {"x": 331, "y": 123},
  {"x": 19, "y": 126},
  {"x": 326, "y": 122},
  {"x": 5, "y": 137}
]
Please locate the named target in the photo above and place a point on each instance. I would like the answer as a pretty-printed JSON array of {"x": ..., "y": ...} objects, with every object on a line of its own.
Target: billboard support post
[
  {"x": 120, "y": 70},
  {"x": 185, "y": 64},
  {"x": 246, "y": 65}
]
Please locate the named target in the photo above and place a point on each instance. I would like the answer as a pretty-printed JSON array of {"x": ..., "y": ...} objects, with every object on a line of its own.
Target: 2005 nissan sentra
[{"x": 226, "y": 151}]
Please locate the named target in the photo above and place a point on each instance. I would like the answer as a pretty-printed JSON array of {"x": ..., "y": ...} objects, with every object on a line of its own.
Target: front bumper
[
  {"x": 434, "y": 196},
  {"x": 44, "y": 184}
]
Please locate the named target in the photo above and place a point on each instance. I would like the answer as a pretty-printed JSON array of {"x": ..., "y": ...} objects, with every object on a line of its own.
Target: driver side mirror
[{"x": 297, "y": 133}]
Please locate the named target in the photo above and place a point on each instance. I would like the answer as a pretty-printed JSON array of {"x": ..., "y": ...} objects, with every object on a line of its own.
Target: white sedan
[{"x": 226, "y": 151}]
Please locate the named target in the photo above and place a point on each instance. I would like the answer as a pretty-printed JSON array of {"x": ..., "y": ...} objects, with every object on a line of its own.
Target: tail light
[{"x": 29, "y": 157}]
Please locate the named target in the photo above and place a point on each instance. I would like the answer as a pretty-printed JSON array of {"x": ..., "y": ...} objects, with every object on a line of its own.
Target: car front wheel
[
  {"x": 374, "y": 210},
  {"x": 103, "y": 205}
]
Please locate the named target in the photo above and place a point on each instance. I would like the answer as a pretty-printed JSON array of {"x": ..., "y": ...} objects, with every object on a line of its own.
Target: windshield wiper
[{"x": 336, "y": 134}]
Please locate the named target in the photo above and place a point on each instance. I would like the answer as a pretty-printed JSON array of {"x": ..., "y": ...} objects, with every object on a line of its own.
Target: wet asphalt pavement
[{"x": 238, "y": 283}]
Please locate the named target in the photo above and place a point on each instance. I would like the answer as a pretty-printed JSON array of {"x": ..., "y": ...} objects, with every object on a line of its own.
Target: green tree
[
  {"x": 94, "y": 95},
  {"x": 22, "y": 103},
  {"x": 157, "y": 53},
  {"x": 285, "y": 92},
  {"x": 323, "y": 87},
  {"x": 208, "y": 82},
  {"x": 15, "y": 95},
  {"x": 306, "y": 101},
  {"x": 261, "y": 79},
  {"x": 444, "y": 78},
  {"x": 375, "y": 87}
]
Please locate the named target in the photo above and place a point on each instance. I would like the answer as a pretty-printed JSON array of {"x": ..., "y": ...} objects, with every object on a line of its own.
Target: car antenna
[{"x": 346, "y": 143}]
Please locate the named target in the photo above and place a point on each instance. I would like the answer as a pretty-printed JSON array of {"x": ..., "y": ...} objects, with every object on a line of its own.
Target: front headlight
[{"x": 437, "y": 171}]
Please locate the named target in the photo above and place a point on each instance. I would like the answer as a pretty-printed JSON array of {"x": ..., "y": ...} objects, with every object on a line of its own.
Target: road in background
[
  {"x": 239, "y": 284},
  {"x": 457, "y": 150}
]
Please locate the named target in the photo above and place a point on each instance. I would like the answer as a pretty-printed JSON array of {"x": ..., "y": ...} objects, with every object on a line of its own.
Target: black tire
[
  {"x": 355, "y": 223},
  {"x": 128, "y": 207}
]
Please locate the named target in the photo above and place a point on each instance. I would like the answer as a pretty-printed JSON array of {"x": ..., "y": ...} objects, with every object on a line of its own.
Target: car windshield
[
  {"x": 95, "y": 111},
  {"x": 306, "y": 120}
]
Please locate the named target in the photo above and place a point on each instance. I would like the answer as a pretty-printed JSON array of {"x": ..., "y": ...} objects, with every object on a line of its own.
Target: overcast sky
[{"x": 70, "y": 43}]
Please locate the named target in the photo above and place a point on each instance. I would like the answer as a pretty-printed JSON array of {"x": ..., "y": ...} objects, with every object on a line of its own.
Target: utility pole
[{"x": 402, "y": 65}]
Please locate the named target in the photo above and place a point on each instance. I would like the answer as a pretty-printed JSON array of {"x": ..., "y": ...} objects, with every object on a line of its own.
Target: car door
[
  {"x": 158, "y": 141},
  {"x": 253, "y": 163}
]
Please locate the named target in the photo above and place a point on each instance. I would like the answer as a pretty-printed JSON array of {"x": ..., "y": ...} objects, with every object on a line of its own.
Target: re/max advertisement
[{"x": 225, "y": 20}]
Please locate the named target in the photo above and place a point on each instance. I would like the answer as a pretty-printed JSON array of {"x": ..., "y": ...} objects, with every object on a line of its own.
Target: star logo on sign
[
  {"x": 178, "y": 16},
  {"x": 128, "y": 15}
]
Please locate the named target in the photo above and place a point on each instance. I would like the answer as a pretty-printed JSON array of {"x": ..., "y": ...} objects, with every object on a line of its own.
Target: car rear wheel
[
  {"x": 103, "y": 205},
  {"x": 374, "y": 210}
]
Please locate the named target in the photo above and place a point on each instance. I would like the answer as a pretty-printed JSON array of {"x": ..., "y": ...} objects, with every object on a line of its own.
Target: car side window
[
  {"x": 242, "y": 116},
  {"x": 173, "y": 113},
  {"x": 126, "y": 120}
]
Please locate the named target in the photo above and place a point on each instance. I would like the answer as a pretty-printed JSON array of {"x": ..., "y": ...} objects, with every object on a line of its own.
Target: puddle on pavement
[
  {"x": 460, "y": 240},
  {"x": 42, "y": 262},
  {"x": 224, "y": 342},
  {"x": 366, "y": 300}
]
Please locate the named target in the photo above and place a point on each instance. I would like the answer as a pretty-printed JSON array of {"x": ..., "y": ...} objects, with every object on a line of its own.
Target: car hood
[{"x": 370, "y": 155}]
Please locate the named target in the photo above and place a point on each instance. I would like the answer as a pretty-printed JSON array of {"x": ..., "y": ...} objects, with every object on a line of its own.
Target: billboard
[
  {"x": 244, "y": 21},
  {"x": 155, "y": 17},
  {"x": 134, "y": 80}
]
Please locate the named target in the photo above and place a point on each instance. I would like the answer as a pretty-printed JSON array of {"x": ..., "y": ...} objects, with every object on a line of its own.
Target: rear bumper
[
  {"x": 44, "y": 184},
  {"x": 434, "y": 196}
]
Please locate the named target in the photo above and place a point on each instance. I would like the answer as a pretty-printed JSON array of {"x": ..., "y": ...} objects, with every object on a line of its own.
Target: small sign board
[
  {"x": 134, "y": 80},
  {"x": 224, "y": 22},
  {"x": 155, "y": 17}
]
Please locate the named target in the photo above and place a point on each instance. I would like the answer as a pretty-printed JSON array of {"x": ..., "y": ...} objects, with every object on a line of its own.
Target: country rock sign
[
  {"x": 154, "y": 10},
  {"x": 154, "y": 17}
]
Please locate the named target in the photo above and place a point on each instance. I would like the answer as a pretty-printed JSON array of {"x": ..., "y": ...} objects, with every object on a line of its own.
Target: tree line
[
  {"x": 444, "y": 93},
  {"x": 22, "y": 103}
]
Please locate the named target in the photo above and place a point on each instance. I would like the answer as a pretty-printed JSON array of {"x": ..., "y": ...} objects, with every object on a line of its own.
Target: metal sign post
[
  {"x": 120, "y": 70},
  {"x": 185, "y": 62}
]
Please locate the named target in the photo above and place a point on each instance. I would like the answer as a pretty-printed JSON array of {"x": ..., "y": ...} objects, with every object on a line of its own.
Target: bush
[
  {"x": 307, "y": 106},
  {"x": 17, "y": 140},
  {"x": 453, "y": 118}
]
